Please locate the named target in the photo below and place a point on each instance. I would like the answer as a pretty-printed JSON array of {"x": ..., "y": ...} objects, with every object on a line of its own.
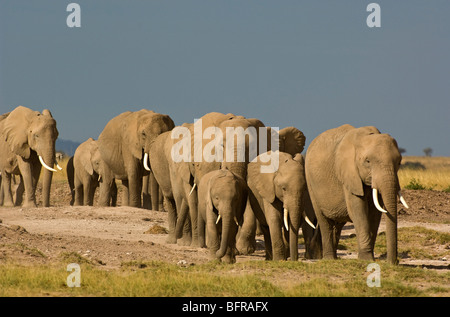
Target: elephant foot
[
  {"x": 245, "y": 249},
  {"x": 184, "y": 241},
  {"x": 195, "y": 243},
  {"x": 8, "y": 204},
  {"x": 29, "y": 204},
  {"x": 328, "y": 256},
  {"x": 229, "y": 259},
  {"x": 366, "y": 256},
  {"x": 171, "y": 239}
]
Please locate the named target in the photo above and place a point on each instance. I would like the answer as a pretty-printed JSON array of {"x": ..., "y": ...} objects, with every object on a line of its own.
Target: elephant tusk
[
  {"x": 309, "y": 222},
  {"x": 218, "y": 219},
  {"x": 45, "y": 165},
  {"x": 58, "y": 167},
  {"x": 145, "y": 162},
  {"x": 375, "y": 200},
  {"x": 235, "y": 220},
  {"x": 99, "y": 178},
  {"x": 192, "y": 189},
  {"x": 286, "y": 219},
  {"x": 402, "y": 200}
]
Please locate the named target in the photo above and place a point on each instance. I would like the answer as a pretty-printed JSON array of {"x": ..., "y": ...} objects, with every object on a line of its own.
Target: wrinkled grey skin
[
  {"x": 85, "y": 172},
  {"x": 221, "y": 193},
  {"x": 26, "y": 135},
  {"x": 272, "y": 193},
  {"x": 343, "y": 165},
  {"x": 123, "y": 144}
]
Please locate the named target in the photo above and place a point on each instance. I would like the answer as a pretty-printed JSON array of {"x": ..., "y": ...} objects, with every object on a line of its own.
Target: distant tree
[
  {"x": 401, "y": 150},
  {"x": 428, "y": 151}
]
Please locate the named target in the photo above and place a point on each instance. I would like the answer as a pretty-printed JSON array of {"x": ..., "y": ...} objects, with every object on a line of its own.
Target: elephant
[
  {"x": 70, "y": 171},
  {"x": 346, "y": 169},
  {"x": 222, "y": 199},
  {"x": 176, "y": 177},
  {"x": 27, "y": 142},
  {"x": 277, "y": 198},
  {"x": 166, "y": 174},
  {"x": 124, "y": 145},
  {"x": 88, "y": 171}
]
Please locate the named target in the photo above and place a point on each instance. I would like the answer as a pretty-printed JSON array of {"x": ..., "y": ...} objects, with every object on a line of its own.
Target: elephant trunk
[
  {"x": 294, "y": 218},
  {"x": 49, "y": 159},
  {"x": 227, "y": 222},
  {"x": 388, "y": 188}
]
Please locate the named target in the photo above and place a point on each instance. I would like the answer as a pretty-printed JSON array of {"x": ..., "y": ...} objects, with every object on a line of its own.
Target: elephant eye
[{"x": 283, "y": 188}]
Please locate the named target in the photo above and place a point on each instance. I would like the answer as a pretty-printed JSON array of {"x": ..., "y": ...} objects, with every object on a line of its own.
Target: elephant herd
[{"x": 220, "y": 178}]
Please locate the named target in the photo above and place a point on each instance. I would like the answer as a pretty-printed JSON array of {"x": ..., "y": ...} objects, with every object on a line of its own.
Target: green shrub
[{"x": 415, "y": 185}]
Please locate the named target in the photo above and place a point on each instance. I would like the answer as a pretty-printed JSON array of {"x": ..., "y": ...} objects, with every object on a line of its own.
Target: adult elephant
[
  {"x": 167, "y": 174},
  {"x": 276, "y": 198},
  {"x": 124, "y": 145},
  {"x": 89, "y": 169},
  {"x": 347, "y": 170},
  {"x": 27, "y": 142},
  {"x": 206, "y": 150},
  {"x": 174, "y": 169},
  {"x": 222, "y": 199}
]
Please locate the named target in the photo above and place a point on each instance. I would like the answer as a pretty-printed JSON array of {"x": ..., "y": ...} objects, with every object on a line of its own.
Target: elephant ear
[
  {"x": 261, "y": 182},
  {"x": 292, "y": 140},
  {"x": 15, "y": 131},
  {"x": 130, "y": 133},
  {"x": 346, "y": 168},
  {"x": 47, "y": 112},
  {"x": 83, "y": 156},
  {"x": 299, "y": 158},
  {"x": 209, "y": 205}
]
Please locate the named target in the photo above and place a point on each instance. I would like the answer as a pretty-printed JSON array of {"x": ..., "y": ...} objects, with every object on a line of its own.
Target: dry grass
[{"x": 430, "y": 172}]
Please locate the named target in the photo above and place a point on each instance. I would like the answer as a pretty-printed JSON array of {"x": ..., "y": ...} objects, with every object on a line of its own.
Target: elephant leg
[
  {"x": 79, "y": 191},
  {"x": 146, "y": 199},
  {"x": 125, "y": 193},
  {"x": 154, "y": 190},
  {"x": 230, "y": 255},
  {"x": 30, "y": 194},
  {"x": 213, "y": 241},
  {"x": 267, "y": 241},
  {"x": 337, "y": 228},
  {"x": 134, "y": 188},
  {"x": 20, "y": 190},
  {"x": 359, "y": 213},
  {"x": 2, "y": 194},
  {"x": 113, "y": 194},
  {"x": 193, "y": 212},
  {"x": 6, "y": 184},
  {"x": 273, "y": 218},
  {"x": 161, "y": 200},
  {"x": 87, "y": 185},
  {"x": 183, "y": 225},
  {"x": 246, "y": 239},
  {"x": 326, "y": 232},
  {"x": 374, "y": 222},
  {"x": 201, "y": 226},
  {"x": 172, "y": 220}
]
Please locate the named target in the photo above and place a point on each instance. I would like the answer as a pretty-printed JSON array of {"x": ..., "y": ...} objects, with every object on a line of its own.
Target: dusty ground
[{"x": 112, "y": 235}]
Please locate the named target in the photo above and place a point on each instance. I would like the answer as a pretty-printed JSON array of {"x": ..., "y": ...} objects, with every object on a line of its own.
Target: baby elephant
[
  {"x": 222, "y": 197},
  {"x": 88, "y": 170}
]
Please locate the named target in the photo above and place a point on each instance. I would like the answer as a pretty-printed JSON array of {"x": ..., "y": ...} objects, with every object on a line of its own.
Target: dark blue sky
[{"x": 310, "y": 64}]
